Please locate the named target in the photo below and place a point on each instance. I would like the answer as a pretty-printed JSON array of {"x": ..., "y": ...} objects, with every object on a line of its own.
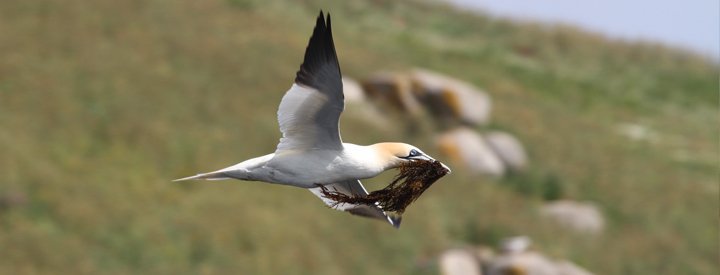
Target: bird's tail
[
  {"x": 207, "y": 176},
  {"x": 240, "y": 171}
]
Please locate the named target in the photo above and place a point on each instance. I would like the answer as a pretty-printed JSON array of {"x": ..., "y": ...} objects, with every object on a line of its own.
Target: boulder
[
  {"x": 508, "y": 148},
  {"x": 637, "y": 132},
  {"x": 450, "y": 100},
  {"x": 516, "y": 258},
  {"x": 569, "y": 268},
  {"x": 515, "y": 245},
  {"x": 459, "y": 262},
  {"x": 358, "y": 107},
  {"x": 484, "y": 254},
  {"x": 581, "y": 217},
  {"x": 352, "y": 90},
  {"x": 525, "y": 263},
  {"x": 467, "y": 148},
  {"x": 391, "y": 91}
]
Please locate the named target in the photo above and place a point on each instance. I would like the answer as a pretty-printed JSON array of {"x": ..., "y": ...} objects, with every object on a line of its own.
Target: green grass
[{"x": 102, "y": 103}]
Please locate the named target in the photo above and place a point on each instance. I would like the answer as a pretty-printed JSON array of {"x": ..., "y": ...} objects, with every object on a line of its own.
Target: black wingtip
[
  {"x": 394, "y": 219},
  {"x": 320, "y": 65},
  {"x": 320, "y": 20}
]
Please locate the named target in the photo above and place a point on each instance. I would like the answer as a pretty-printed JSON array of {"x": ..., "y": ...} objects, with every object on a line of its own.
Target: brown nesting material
[{"x": 414, "y": 178}]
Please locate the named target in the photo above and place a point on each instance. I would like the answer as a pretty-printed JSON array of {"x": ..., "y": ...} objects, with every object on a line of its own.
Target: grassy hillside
[{"x": 102, "y": 103}]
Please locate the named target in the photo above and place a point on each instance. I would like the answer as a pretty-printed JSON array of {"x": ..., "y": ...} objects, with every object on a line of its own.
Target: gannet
[{"x": 311, "y": 153}]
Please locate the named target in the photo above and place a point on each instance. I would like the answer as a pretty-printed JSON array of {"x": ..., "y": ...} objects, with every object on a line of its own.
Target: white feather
[{"x": 308, "y": 120}]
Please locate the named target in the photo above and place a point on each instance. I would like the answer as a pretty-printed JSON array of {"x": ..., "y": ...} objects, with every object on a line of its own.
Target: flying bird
[{"x": 311, "y": 153}]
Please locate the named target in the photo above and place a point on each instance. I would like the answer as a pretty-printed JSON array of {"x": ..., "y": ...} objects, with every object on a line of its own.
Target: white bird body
[
  {"x": 311, "y": 152},
  {"x": 307, "y": 169}
]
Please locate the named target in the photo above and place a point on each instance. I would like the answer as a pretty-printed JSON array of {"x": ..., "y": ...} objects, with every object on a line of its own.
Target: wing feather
[{"x": 310, "y": 111}]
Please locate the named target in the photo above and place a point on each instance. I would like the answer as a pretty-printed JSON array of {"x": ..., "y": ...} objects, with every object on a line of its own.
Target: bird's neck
[
  {"x": 372, "y": 156},
  {"x": 385, "y": 153}
]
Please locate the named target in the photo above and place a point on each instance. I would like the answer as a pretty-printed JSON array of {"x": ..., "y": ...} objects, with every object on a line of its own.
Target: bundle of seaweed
[{"x": 414, "y": 178}]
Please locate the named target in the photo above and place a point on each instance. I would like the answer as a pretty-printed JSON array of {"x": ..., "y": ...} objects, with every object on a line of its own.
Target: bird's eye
[{"x": 414, "y": 153}]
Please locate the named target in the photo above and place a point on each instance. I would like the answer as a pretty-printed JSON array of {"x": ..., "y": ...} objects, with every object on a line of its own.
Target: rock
[
  {"x": 358, "y": 107},
  {"x": 459, "y": 262},
  {"x": 368, "y": 114},
  {"x": 352, "y": 90},
  {"x": 450, "y": 100},
  {"x": 467, "y": 148},
  {"x": 526, "y": 263},
  {"x": 391, "y": 91},
  {"x": 515, "y": 258},
  {"x": 484, "y": 254},
  {"x": 637, "y": 132},
  {"x": 569, "y": 268},
  {"x": 579, "y": 216},
  {"x": 515, "y": 245},
  {"x": 508, "y": 148}
]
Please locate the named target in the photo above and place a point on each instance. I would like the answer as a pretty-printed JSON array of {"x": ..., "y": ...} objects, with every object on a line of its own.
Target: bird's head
[{"x": 395, "y": 154}]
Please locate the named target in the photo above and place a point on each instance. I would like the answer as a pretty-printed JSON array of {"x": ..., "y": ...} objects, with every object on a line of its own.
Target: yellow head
[{"x": 393, "y": 154}]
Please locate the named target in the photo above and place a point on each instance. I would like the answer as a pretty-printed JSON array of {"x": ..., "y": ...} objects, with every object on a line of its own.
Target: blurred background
[{"x": 598, "y": 148}]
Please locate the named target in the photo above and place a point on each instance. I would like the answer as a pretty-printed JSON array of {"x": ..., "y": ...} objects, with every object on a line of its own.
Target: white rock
[
  {"x": 357, "y": 105},
  {"x": 352, "y": 90},
  {"x": 532, "y": 263},
  {"x": 391, "y": 91},
  {"x": 450, "y": 99},
  {"x": 459, "y": 262},
  {"x": 527, "y": 263},
  {"x": 484, "y": 254},
  {"x": 508, "y": 148},
  {"x": 569, "y": 268},
  {"x": 467, "y": 147},
  {"x": 515, "y": 244},
  {"x": 637, "y": 132},
  {"x": 515, "y": 258},
  {"x": 579, "y": 216},
  {"x": 368, "y": 114}
]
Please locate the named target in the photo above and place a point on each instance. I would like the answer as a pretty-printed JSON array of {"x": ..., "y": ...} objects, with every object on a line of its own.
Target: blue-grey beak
[{"x": 446, "y": 167}]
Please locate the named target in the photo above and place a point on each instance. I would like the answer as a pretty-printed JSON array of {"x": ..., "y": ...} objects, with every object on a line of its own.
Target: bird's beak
[
  {"x": 428, "y": 158},
  {"x": 446, "y": 167},
  {"x": 422, "y": 157}
]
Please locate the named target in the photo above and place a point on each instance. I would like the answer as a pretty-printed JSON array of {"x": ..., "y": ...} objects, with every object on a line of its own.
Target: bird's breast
[{"x": 306, "y": 169}]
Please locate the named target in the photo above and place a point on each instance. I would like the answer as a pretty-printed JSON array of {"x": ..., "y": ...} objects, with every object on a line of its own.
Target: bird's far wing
[
  {"x": 354, "y": 187},
  {"x": 309, "y": 112}
]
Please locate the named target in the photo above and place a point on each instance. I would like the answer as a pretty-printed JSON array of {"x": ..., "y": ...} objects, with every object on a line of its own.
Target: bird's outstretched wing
[
  {"x": 309, "y": 112},
  {"x": 354, "y": 187}
]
